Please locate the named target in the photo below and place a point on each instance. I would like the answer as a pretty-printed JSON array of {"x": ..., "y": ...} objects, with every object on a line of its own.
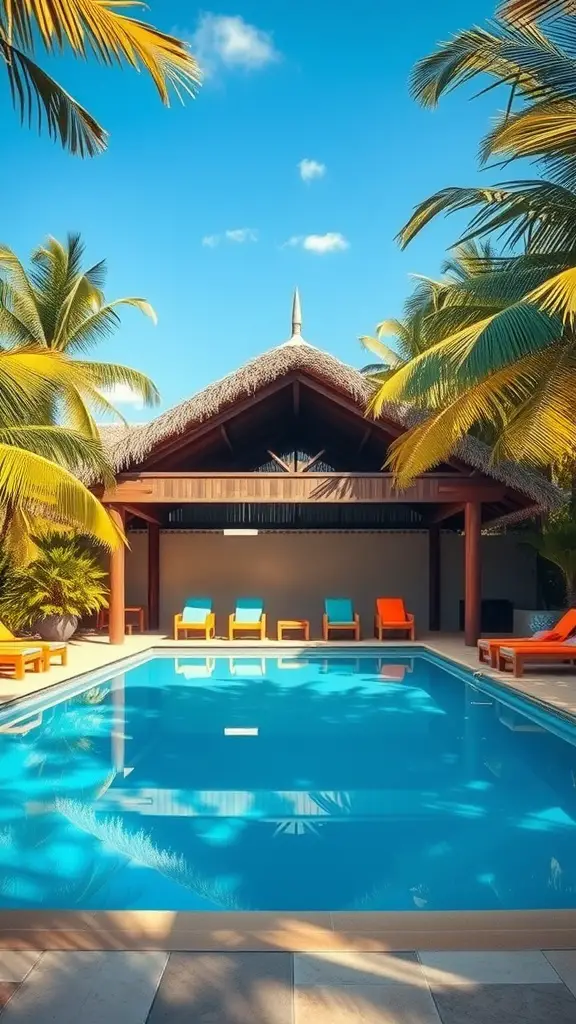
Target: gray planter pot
[{"x": 56, "y": 627}]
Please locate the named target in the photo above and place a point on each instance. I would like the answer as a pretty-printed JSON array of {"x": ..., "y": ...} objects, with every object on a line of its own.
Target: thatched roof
[{"x": 130, "y": 446}]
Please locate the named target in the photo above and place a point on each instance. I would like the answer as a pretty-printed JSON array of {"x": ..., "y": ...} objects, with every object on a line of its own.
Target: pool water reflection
[{"x": 316, "y": 782}]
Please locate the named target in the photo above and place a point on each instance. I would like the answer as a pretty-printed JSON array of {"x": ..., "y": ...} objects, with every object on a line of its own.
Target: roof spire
[{"x": 296, "y": 315}]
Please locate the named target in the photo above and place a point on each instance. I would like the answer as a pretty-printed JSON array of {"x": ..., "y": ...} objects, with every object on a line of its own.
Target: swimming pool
[{"x": 322, "y": 781}]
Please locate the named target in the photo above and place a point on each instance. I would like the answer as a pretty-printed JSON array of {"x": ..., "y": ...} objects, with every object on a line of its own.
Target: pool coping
[{"x": 290, "y": 931}]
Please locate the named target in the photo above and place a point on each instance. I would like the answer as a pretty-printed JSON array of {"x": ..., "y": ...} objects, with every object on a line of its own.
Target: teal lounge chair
[
  {"x": 339, "y": 615},
  {"x": 249, "y": 614},
  {"x": 196, "y": 617}
]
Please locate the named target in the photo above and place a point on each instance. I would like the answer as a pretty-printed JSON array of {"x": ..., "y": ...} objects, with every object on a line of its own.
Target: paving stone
[
  {"x": 506, "y": 1004},
  {"x": 356, "y": 968},
  {"x": 564, "y": 962},
  {"x": 7, "y": 990},
  {"x": 15, "y": 964},
  {"x": 364, "y": 1004},
  {"x": 87, "y": 988},
  {"x": 483, "y": 968},
  {"x": 225, "y": 988}
]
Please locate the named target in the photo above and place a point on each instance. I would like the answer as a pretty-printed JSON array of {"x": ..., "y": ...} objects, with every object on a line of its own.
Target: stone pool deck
[{"x": 284, "y": 988}]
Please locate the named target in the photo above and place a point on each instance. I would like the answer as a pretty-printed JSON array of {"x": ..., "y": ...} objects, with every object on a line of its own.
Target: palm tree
[
  {"x": 39, "y": 461},
  {"x": 58, "y": 306},
  {"x": 503, "y": 351},
  {"x": 87, "y": 28}
]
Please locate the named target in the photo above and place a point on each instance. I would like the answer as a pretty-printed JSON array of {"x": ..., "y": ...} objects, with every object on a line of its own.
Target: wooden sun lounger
[
  {"x": 488, "y": 649},
  {"x": 19, "y": 658},
  {"x": 517, "y": 657}
]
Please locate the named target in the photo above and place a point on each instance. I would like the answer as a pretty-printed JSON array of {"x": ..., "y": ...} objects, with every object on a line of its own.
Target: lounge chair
[
  {"x": 339, "y": 615},
  {"x": 249, "y": 615},
  {"x": 50, "y": 648},
  {"x": 391, "y": 616},
  {"x": 533, "y": 652},
  {"x": 196, "y": 617},
  {"x": 19, "y": 658},
  {"x": 488, "y": 648}
]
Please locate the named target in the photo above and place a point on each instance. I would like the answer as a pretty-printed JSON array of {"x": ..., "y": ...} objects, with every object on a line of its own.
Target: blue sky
[{"x": 290, "y": 81}]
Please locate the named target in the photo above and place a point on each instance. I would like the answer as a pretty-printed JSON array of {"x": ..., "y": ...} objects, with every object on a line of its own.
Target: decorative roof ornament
[{"x": 296, "y": 317}]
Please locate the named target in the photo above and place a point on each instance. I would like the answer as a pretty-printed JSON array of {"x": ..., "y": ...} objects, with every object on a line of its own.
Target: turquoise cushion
[
  {"x": 196, "y": 610},
  {"x": 249, "y": 609},
  {"x": 339, "y": 609}
]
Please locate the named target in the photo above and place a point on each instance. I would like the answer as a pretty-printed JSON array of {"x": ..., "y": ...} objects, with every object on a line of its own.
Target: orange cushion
[{"x": 391, "y": 609}]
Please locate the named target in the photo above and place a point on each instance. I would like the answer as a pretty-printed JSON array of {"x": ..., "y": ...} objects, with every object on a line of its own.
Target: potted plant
[{"x": 50, "y": 594}]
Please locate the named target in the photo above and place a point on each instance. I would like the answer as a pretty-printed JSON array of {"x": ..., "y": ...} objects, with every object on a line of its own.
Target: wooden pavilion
[{"x": 284, "y": 445}]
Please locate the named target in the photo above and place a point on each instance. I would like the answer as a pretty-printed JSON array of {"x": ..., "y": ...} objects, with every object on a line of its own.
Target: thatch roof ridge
[{"x": 136, "y": 443}]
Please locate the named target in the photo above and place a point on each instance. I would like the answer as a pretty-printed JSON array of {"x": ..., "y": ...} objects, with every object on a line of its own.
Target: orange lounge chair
[
  {"x": 488, "y": 649},
  {"x": 391, "y": 615},
  {"x": 51, "y": 649},
  {"x": 517, "y": 657},
  {"x": 19, "y": 658}
]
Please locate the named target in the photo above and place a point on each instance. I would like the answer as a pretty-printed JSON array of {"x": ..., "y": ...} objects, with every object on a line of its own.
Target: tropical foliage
[
  {"x": 500, "y": 351},
  {"x": 88, "y": 29},
  {"x": 60, "y": 306},
  {"x": 557, "y": 544},
  {"x": 65, "y": 579},
  {"x": 48, "y": 316}
]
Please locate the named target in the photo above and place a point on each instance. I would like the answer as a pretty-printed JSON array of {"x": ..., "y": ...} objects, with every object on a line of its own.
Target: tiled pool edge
[{"x": 291, "y": 932}]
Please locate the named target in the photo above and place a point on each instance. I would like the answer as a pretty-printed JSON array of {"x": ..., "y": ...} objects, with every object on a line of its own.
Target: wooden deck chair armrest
[
  {"x": 231, "y": 619},
  {"x": 409, "y": 617},
  {"x": 211, "y": 619},
  {"x": 357, "y": 618},
  {"x": 177, "y": 619},
  {"x": 263, "y": 620}
]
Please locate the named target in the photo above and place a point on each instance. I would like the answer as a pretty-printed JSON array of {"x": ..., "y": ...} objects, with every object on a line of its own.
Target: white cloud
[
  {"x": 242, "y": 235},
  {"x": 236, "y": 235},
  {"x": 122, "y": 394},
  {"x": 223, "y": 41},
  {"x": 310, "y": 169},
  {"x": 332, "y": 241}
]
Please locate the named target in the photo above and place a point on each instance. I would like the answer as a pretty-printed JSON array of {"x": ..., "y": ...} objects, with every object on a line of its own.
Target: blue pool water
[{"x": 318, "y": 782}]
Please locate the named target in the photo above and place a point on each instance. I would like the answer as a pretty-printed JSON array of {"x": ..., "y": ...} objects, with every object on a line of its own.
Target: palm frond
[
  {"x": 27, "y": 479},
  {"x": 96, "y": 27},
  {"x": 39, "y": 99},
  {"x": 107, "y": 376}
]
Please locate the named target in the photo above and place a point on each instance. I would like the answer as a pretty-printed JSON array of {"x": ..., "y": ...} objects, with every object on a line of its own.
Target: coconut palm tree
[
  {"x": 39, "y": 461},
  {"x": 59, "y": 306},
  {"x": 504, "y": 352},
  {"x": 88, "y": 29}
]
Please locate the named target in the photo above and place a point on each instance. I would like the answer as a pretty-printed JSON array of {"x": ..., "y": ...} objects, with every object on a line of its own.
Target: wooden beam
[
  {"x": 304, "y": 467},
  {"x": 181, "y": 488},
  {"x": 284, "y": 465},
  {"x": 117, "y": 600},
  {"x": 226, "y": 438},
  {"x": 446, "y": 511},
  {"x": 133, "y": 510},
  {"x": 153, "y": 575},
  {"x": 434, "y": 579},
  {"x": 472, "y": 572}
]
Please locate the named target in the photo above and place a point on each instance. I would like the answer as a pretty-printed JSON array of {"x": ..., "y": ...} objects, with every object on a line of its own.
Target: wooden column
[
  {"x": 434, "y": 582},
  {"x": 117, "y": 586},
  {"x": 153, "y": 575},
  {"x": 472, "y": 572}
]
